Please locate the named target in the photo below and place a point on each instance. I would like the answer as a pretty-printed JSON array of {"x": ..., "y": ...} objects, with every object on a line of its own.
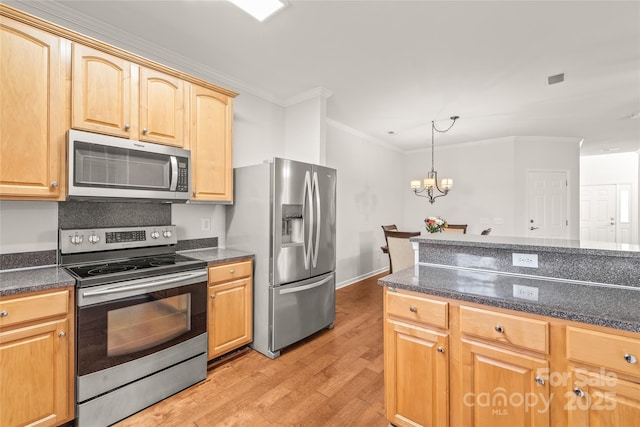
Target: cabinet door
[
  {"x": 32, "y": 112},
  {"x": 416, "y": 375},
  {"x": 211, "y": 145},
  {"x": 162, "y": 108},
  {"x": 36, "y": 380},
  {"x": 500, "y": 387},
  {"x": 230, "y": 316},
  {"x": 602, "y": 399},
  {"x": 102, "y": 95}
]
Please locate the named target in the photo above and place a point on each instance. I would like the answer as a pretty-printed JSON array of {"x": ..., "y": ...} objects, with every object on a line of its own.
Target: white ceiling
[{"x": 397, "y": 65}]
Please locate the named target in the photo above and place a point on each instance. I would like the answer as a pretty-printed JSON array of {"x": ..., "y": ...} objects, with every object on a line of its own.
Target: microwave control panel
[{"x": 183, "y": 176}]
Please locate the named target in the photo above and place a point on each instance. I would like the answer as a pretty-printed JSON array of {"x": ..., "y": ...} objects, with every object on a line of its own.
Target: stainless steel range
[{"x": 141, "y": 316}]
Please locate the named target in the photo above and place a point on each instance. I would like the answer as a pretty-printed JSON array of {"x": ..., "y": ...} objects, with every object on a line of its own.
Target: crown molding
[
  {"x": 317, "y": 92},
  {"x": 99, "y": 30}
]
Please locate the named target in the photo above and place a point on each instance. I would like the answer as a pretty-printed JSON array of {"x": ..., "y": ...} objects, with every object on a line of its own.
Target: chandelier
[{"x": 430, "y": 184}]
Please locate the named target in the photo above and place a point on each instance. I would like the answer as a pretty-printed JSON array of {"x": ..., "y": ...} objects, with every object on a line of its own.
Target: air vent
[{"x": 558, "y": 78}]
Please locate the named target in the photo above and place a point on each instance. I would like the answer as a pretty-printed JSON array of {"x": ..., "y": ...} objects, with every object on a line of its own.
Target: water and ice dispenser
[{"x": 292, "y": 224}]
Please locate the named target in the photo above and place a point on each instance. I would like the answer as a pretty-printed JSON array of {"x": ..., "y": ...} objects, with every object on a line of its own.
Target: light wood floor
[{"x": 333, "y": 378}]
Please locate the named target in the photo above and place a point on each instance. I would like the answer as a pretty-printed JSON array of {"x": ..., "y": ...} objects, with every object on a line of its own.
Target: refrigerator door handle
[
  {"x": 307, "y": 242},
  {"x": 305, "y": 287},
  {"x": 318, "y": 219}
]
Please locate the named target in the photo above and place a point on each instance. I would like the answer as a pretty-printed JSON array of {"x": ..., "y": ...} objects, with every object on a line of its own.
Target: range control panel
[{"x": 104, "y": 239}]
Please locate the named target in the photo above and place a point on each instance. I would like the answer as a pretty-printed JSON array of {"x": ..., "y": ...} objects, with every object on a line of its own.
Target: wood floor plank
[{"x": 333, "y": 378}]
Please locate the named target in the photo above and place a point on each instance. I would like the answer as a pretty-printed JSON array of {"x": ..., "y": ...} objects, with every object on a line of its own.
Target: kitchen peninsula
[{"x": 513, "y": 331}]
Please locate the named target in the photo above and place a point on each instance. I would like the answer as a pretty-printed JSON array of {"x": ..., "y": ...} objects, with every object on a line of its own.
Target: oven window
[{"x": 138, "y": 327}]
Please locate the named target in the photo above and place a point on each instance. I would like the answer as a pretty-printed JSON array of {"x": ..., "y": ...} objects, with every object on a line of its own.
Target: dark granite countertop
[
  {"x": 217, "y": 255},
  {"x": 576, "y": 247},
  {"x": 609, "y": 306},
  {"x": 13, "y": 282}
]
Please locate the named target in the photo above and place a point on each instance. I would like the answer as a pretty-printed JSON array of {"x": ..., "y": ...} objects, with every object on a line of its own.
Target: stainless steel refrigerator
[{"x": 284, "y": 211}]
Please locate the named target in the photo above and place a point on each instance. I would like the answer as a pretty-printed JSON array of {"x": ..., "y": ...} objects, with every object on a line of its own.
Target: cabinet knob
[
  {"x": 232, "y": 271},
  {"x": 440, "y": 349},
  {"x": 213, "y": 296},
  {"x": 62, "y": 334},
  {"x": 127, "y": 126},
  {"x": 499, "y": 329},
  {"x": 4, "y": 313},
  {"x": 540, "y": 380},
  {"x": 54, "y": 184},
  {"x": 413, "y": 309},
  {"x": 144, "y": 131},
  {"x": 630, "y": 358},
  {"x": 578, "y": 392}
]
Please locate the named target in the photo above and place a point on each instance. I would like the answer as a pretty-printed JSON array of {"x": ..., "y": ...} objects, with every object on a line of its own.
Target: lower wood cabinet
[
  {"x": 230, "y": 317},
  {"x": 503, "y": 387},
  {"x": 416, "y": 375},
  {"x": 36, "y": 359},
  {"x": 449, "y": 362}
]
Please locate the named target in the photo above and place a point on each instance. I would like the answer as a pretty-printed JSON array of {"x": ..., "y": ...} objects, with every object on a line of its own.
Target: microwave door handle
[{"x": 174, "y": 173}]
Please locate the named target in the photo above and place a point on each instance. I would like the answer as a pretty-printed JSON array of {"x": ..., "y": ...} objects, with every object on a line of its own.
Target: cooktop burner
[{"x": 117, "y": 270}]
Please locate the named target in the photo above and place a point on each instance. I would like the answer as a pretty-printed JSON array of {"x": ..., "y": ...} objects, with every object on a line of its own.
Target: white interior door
[
  {"x": 547, "y": 204},
  {"x": 598, "y": 213}
]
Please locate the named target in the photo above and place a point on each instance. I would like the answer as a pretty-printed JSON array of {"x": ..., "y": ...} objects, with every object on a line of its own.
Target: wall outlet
[
  {"x": 525, "y": 260},
  {"x": 205, "y": 224},
  {"x": 525, "y": 292}
]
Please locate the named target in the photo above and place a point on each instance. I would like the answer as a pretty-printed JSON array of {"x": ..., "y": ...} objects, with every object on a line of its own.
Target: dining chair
[
  {"x": 455, "y": 228},
  {"x": 401, "y": 253},
  {"x": 392, "y": 227}
]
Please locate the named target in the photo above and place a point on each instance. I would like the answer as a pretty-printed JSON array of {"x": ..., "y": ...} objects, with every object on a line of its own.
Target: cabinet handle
[
  {"x": 578, "y": 392},
  {"x": 62, "y": 334},
  {"x": 232, "y": 271},
  {"x": 127, "y": 127},
  {"x": 213, "y": 296},
  {"x": 499, "y": 329},
  {"x": 630, "y": 358},
  {"x": 144, "y": 131},
  {"x": 54, "y": 184},
  {"x": 441, "y": 349},
  {"x": 413, "y": 309},
  {"x": 540, "y": 380},
  {"x": 4, "y": 313}
]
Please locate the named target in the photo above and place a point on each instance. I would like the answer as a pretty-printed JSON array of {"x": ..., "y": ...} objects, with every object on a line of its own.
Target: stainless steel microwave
[{"x": 107, "y": 167}]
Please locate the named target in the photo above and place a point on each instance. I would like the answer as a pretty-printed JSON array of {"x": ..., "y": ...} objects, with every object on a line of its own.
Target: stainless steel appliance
[
  {"x": 284, "y": 211},
  {"x": 141, "y": 318},
  {"x": 102, "y": 166}
]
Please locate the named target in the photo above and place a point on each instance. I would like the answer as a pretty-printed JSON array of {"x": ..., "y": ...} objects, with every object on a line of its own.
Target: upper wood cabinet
[
  {"x": 162, "y": 108},
  {"x": 102, "y": 98},
  {"x": 114, "y": 96},
  {"x": 211, "y": 145},
  {"x": 32, "y": 112}
]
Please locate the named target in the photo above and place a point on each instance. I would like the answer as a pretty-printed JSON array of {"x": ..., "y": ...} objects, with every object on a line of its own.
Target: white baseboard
[{"x": 361, "y": 278}]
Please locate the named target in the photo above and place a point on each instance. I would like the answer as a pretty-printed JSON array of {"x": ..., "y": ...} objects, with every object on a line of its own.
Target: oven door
[{"x": 121, "y": 322}]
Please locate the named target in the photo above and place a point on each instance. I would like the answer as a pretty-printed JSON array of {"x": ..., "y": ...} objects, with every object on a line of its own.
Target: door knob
[{"x": 533, "y": 228}]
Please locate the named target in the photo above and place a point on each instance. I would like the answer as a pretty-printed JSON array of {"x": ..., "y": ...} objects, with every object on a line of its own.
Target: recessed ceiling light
[{"x": 259, "y": 9}]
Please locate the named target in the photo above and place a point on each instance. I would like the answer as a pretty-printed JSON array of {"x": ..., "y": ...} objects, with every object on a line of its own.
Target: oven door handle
[{"x": 152, "y": 284}]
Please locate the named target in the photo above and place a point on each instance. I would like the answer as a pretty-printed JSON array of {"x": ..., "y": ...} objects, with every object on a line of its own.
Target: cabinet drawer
[
  {"x": 608, "y": 351},
  {"x": 33, "y": 307},
  {"x": 531, "y": 334},
  {"x": 418, "y": 309},
  {"x": 226, "y": 272}
]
